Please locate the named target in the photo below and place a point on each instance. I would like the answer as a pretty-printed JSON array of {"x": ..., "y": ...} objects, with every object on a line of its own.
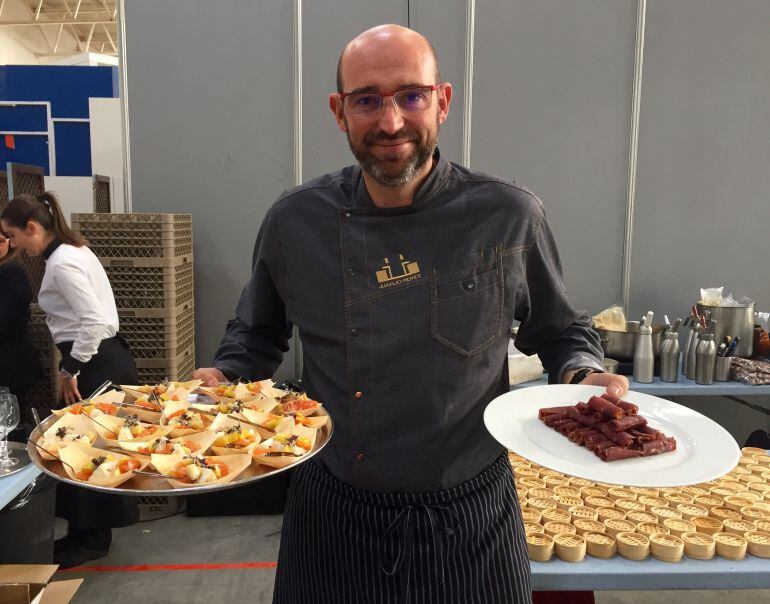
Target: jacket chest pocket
[{"x": 467, "y": 308}]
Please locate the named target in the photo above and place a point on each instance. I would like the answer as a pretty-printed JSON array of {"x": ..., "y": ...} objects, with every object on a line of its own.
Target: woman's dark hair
[{"x": 43, "y": 209}]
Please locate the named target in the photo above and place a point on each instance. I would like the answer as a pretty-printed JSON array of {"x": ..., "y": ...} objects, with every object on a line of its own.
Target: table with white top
[
  {"x": 13, "y": 484},
  {"x": 618, "y": 573}
]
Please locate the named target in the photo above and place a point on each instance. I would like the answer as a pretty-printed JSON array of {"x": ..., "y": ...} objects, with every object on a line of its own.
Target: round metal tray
[
  {"x": 17, "y": 451},
  {"x": 147, "y": 485}
]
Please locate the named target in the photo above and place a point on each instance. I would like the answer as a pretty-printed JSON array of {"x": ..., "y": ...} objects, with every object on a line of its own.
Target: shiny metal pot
[
  {"x": 620, "y": 345},
  {"x": 733, "y": 321}
]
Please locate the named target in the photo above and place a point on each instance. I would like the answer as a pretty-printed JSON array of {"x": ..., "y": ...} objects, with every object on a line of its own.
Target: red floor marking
[{"x": 143, "y": 568}]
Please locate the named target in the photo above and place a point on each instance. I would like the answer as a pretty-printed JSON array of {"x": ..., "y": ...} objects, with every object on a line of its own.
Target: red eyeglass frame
[{"x": 383, "y": 96}]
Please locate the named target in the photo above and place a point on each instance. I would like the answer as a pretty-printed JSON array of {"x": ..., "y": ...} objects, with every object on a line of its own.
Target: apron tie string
[{"x": 441, "y": 519}]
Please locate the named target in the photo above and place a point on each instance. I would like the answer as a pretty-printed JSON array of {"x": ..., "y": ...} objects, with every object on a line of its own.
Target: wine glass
[{"x": 9, "y": 419}]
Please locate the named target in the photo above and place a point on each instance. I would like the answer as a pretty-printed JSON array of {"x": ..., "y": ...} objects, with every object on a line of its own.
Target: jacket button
[
  {"x": 350, "y": 272},
  {"x": 358, "y": 394},
  {"x": 469, "y": 285},
  {"x": 354, "y": 332},
  {"x": 347, "y": 214},
  {"x": 360, "y": 457}
]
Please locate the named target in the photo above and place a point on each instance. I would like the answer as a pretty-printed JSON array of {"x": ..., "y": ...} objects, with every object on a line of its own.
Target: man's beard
[{"x": 378, "y": 168}]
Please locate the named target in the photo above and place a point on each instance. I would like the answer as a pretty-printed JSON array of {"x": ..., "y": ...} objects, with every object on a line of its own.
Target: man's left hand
[{"x": 616, "y": 385}]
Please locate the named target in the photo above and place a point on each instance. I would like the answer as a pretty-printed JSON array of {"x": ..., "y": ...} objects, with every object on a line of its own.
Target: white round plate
[{"x": 704, "y": 449}]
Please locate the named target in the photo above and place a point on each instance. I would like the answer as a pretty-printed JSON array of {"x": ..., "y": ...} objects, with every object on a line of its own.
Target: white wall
[
  {"x": 29, "y": 45},
  {"x": 106, "y": 137},
  {"x": 74, "y": 192},
  {"x": 107, "y": 145},
  {"x": 89, "y": 59}
]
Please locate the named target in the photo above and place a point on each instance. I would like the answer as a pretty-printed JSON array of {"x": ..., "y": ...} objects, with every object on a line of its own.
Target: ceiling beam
[
  {"x": 26, "y": 22},
  {"x": 109, "y": 37}
]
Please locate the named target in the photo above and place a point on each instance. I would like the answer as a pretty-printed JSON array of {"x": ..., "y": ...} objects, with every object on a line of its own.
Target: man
[{"x": 404, "y": 275}]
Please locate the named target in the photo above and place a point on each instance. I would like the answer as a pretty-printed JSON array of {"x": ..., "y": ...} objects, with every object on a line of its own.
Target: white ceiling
[{"x": 92, "y": 23}]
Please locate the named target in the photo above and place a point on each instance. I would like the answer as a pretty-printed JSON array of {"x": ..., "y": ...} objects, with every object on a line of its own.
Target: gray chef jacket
[{"x": 404, "y": 316}]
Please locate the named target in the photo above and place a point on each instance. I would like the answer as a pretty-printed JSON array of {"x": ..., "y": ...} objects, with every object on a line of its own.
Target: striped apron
[{"x": 463, "y": 545}]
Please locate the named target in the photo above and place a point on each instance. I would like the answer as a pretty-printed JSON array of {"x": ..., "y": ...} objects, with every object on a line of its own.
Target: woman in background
[
  {"x": 19, "y": 361},
  {"x": 77, "y": 298}
]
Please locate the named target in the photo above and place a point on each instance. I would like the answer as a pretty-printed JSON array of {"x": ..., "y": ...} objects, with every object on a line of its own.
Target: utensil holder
[{"x": 722, "y": 369}]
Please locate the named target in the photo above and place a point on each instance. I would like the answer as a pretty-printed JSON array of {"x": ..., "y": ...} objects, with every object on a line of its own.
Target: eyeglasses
[{"x": 369, "y": 104}]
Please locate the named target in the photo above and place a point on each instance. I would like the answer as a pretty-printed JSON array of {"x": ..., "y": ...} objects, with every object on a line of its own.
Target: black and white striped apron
[{"x": 463, "y": 545}]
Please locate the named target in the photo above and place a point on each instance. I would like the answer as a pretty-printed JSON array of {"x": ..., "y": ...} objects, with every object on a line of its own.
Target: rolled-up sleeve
[
  {"x": 550, "y": 327},
  {"x": 257, "y": 338}
]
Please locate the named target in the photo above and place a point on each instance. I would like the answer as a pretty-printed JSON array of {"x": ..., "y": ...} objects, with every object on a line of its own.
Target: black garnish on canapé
[{"x": 131, "y": 420}]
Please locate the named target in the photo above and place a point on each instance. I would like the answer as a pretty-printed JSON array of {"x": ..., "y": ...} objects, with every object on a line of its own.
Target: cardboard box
[{"x": 29, "y": 584}]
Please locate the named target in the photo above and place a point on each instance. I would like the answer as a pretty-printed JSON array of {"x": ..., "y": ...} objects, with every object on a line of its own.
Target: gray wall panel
[
  {"x": 552, "y": 110},
  {"x": 209, "y": 95},
  {"x": 325, "y": 33},
  {"x": 703, "y": 181},
  {"x": 443, "y": 23}
]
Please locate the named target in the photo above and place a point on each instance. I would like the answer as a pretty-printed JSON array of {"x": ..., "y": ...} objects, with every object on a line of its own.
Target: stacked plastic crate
[
  {"x": 45, "y": 393},
  {"x": 148, "y": 259}
]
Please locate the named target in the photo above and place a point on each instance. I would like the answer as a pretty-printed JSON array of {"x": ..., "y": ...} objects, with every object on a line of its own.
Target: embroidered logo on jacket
[{"x": 408, "y": 271}]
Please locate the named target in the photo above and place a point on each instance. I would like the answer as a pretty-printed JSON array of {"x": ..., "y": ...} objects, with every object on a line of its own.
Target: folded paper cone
[
  {"x": 74, "y": 424},
  {"x": 236, "y": 464},
  {"x": 77, "y": 456},
  {"x": 110, "y": 397}
]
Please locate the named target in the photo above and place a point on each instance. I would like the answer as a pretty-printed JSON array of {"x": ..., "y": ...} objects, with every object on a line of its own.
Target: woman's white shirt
[{"x": 77, "y": 298}]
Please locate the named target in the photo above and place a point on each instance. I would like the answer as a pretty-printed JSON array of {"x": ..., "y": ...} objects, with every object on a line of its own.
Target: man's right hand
[{"x": 211, "y": 376}]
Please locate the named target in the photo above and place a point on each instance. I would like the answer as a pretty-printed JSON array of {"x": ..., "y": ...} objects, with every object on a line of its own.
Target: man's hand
[
  {"x": 616, "y": 385},
  {"x": 212, "y": 377},
  {"x": 68, "y": 390}
]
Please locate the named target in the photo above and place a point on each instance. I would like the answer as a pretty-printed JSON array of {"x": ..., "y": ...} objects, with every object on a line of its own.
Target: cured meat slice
[
  {"x": 639, "y": 436},
  {"x": 651, "y": 432},
  {"x": 593, "y": 439},
  {"x": 605, "y": 407},
  {"x": 550, "y": 420},
  {"x": 629, "y": 421},
  {"x": 578, "y": 434},
  {"x": 622, "y": 438},
  {"x": 628, "y": 408},
  {"x": 543, "y": 413},
  {"x": 587, "y": 419},
  {"x": 615, "y": 453},
  {"x": 659, "y": 445},
  {"x": 605, "y": 445},
  {"x": 609, "y": 427},
  {"x": 567, "y": 427}
]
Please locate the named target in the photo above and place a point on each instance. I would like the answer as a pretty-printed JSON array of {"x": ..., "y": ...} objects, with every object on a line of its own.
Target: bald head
[{"x": 386, "y": 39}]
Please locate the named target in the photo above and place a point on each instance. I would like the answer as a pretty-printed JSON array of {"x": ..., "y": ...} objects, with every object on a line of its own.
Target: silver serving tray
[{"x": 147, "y": 485}]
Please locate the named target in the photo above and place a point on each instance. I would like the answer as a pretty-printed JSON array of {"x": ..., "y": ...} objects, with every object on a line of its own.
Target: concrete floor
[{"x": 182, "y": 540}]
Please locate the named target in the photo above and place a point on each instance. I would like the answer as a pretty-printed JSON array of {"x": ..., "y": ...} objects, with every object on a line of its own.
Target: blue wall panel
[
  {"x": 73, "y": 148},
  {"x": 23, "y": 117},
  {"x": 67, "y": 88},
  {"x": 32, "y": 150}
]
